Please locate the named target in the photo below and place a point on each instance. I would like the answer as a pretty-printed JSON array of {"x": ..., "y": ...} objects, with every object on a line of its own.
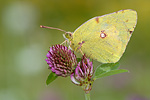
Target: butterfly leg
[
  {"x": 63, "y": 42},
  {"x": 81, "y": 51},
  {"x": 80, "y": 47}
]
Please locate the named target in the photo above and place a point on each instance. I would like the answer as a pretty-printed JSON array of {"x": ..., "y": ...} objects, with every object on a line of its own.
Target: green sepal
[
  {"x": 78, "y": 59},
  {"x": 52, "y": 76},
  {"x": 108, "y": 70}
]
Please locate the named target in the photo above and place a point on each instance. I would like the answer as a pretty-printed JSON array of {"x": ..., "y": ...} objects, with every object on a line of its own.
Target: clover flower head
[
  {"x": 83, "y": 74},
  {"x": 61, "y": 60}
]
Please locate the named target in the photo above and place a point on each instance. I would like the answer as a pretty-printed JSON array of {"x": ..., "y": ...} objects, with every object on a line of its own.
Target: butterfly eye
[{"x": 70, "y": 34}]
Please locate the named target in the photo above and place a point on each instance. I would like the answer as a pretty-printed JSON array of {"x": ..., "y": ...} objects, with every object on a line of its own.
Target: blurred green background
[{"x": 24, "y": 45}]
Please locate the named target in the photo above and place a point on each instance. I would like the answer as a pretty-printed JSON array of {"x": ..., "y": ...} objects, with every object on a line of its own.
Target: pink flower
[
  {"x": 83, "y": 74},
  {"x": 61, "y": 60}
]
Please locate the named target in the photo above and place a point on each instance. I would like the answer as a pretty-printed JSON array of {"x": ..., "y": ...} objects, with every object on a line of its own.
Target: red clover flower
[
  {"x": 83, "y": 74},
  {"x": 61, "y": 60}
]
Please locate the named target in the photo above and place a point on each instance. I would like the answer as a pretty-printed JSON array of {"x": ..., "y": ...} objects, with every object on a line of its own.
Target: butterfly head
[{"x": 68, "y": 36}]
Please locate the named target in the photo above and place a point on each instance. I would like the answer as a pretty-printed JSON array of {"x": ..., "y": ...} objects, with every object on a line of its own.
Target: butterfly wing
[{"x": 105, "y": 38}]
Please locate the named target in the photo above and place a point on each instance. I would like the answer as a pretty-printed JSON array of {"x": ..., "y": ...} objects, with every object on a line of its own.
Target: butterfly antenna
[{"x": 52, "y": 28}]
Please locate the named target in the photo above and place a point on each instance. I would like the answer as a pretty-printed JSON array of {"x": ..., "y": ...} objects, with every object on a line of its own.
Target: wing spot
[
  {"x": 131, "y": 32},
  {"x": 103, "y": 34},
  {"x": 97, "y": 19},
  {"x": 127, "y": 20},
  {"x": 108, "y": 22}
]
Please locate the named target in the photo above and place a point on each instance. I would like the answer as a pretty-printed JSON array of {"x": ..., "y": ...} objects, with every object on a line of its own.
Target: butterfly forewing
[{"x": 105, "y": 38}]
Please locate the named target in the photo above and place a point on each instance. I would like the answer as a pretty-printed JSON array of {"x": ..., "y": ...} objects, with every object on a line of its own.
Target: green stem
[{"x": 87, "y": 96}]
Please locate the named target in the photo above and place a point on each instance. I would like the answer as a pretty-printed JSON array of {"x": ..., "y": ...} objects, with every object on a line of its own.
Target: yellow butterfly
[{"x": 104, "y": 38}]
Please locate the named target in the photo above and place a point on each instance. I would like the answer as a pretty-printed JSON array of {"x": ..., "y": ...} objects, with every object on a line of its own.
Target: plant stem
[{"x": 87, "y": 96}]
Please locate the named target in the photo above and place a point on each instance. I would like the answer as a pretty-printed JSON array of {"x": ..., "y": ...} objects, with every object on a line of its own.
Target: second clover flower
[{"x": 83, "y": 74}]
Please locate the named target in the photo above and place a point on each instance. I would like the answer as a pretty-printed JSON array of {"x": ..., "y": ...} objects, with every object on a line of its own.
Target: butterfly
[{"x": 103, "y": 38}]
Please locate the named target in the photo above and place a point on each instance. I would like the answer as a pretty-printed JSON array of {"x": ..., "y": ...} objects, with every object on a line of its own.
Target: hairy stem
[{"x": 87, "y": 96}]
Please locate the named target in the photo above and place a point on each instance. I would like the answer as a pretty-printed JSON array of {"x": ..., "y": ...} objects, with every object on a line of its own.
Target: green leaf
[
  {"x": 108, "y": 70},
  {"x": 78, "y": 59},
  {"x": 110, "y": 66},
  {"x": 112, "y": 72},
  {"x": 52, "y": 76}
]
